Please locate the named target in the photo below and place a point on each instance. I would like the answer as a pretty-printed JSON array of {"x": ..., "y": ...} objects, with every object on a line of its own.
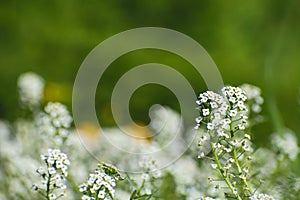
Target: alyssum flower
[
  {"x": 54, "y": 123},
  {"x": 101, "y": 183},
  {"x": 53, "y": 175},
  {"x": 31, "y": 88},
  {"x": 224, "y": 116}
]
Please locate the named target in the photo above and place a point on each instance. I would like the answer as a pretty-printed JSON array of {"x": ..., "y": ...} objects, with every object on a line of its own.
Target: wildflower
[
  {"x": 59, "y": 114},
  {"x": 146, "y": 183},
  {"x": 205, "y": 112},
  {"x": 54, "y": 123},
  {"x": 54, "y": 175},
  {"x": 214, "y": 166},
  {"x": 227, "y": 166},
  {"x": 225, "y": 124},
  {"x": 206, "y": 198},
  {"x": 100, "y": 184},
  {"x": 233, "y": 113},
  {"x": 247, "y": 136},
  {"x": 201, "y": 155},
  {"x": 261, "y": 196},
  {"x": 31, "y": 88},
  {"x": 254, "y": 97},
  {"x": 285, "y": 144},
  {"x": 210, "y": 126}
]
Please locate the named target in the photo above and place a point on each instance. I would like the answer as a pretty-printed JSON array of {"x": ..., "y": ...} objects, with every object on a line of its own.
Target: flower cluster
[
  {"x": 53, "y": 176},
  {"x": 285, "y": 145},
  {"x": 184, "y": 171},
  {"x": 59, "y": 114},
  {"x": 54, "y": 123},
  {"x": 218, "y": 112},
  {"x": 255, "y": 99},
  {"x": 233, "y": 169},
  {"x": 261, "y": 196},
  {"x": 146, "y": 183},
  {"x": 101, "y": 183},
  {"x": 225, "y": 119},
  {"x": 207, "y": 198},
  {"x": 31, "y": 88},
  {"x": 150, "y": 168}
]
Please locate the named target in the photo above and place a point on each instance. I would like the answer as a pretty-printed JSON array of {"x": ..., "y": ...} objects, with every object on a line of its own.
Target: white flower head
[
  {"x": 53, "y": 175},
  {"x": 31, "y": 89},
  {"x": 261, "y": 196},
  {"x": 101, "y": 183},
  {"x": 286, "y": 144}
]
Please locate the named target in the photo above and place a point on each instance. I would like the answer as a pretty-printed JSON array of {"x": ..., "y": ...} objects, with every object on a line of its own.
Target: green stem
[
  {"x": 140, "y": 188},
  {"x": 48, "y": 187},
  {"x": 225, "y": 178},
  {"x": 237, "y": 163}
]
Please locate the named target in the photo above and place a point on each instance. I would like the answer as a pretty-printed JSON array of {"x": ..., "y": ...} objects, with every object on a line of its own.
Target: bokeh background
[{"x": 253, "y": 42}]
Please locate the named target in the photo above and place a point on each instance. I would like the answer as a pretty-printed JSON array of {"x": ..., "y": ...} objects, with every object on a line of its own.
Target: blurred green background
[{"x": 253, "y": 42}]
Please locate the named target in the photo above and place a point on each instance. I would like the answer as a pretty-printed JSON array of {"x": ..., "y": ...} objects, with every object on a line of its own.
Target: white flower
[
  {"x": 53, "y": 176},
  {"x": 254, "y": 97},
  {"x": 261, "y": 196},
  {"x": 234, "y": 143},
  {"x": 59, "y": 114},
  {"x": 241, "y": 127},
  {"x": 31, "y": 88},
  {"x": 227, "y": 166},
  {"x": 205, "y": 112},
  {"x": 286, "y": 144},
  {"x": 85, "y": 197},
  {"x": 251, "y": 91},
  {"x": 103, "y": 178},
  {"x": 101, "y": 194},
  {"x": 214, "y": 166},
  {"x": 242, "y": 176},
  {"x": 210, "y": 126},
  {"x": 247, "y": 136},
  {"x": 51, "y": 170},
  {"x": 225, "y": 122},
  {"x": 233, "y": 113},
  {"x": 232, "y": 99},
  {"x": 53, "y": 124},
  {"x": 201, "y": 155},
  {"x": 198, "y": 119},
  {"x": 213, "y": 105},
  {"x": 256, "y": 108},
  {"x": 207, "y": 198},
  {"x": 52, "y": 196}
]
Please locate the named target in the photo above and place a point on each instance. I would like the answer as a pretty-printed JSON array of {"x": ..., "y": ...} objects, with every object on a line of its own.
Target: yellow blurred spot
[
  {"x": 139, "y": 131},
  {"x": 89, "y": 131}
]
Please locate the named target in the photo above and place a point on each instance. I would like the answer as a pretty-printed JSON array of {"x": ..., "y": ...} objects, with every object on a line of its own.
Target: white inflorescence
[
  {"x": 262, "y": 197},
  {"x": 31, "y": 88},
  {"x": 218, "y": 111},
  {"x": 54, "y": 123},
  {"x": 207, "y": 198},
  {"x": 224, "y": 117},
  {"x": 285, "y": 144},
  {"x": 54, "y": 174},
  {"x": 254, "y": 97},
  {"x": 150, "y": 172},
  {"x": 56, "y": 160},
  {"x": 101, "y": 183},
  {"x": 150, "y": 166},
  {"x": 59, "y": 115}
]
